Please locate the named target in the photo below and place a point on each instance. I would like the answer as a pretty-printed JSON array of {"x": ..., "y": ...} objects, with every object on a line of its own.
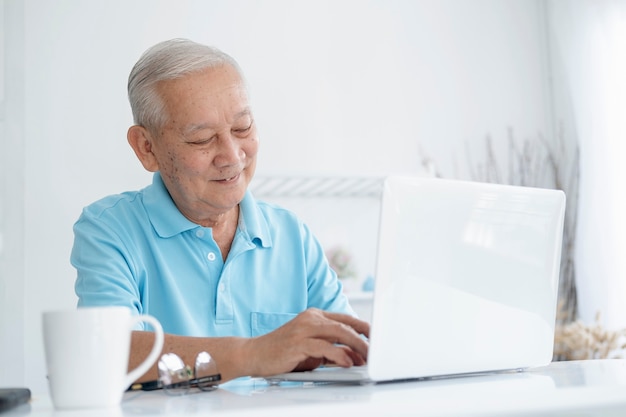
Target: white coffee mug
[{"x": 87, "y": 351}]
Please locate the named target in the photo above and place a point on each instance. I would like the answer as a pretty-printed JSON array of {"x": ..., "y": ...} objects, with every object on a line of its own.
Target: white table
[{"x": 580, "y": 388}]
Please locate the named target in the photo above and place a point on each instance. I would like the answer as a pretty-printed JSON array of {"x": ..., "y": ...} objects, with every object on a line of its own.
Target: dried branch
[
  {"x": 577, "y": 341},
  {"x": 538, "y": 163}
]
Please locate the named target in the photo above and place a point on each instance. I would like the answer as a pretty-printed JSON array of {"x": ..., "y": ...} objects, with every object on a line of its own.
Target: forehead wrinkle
[{"x": 195, "y": 127}]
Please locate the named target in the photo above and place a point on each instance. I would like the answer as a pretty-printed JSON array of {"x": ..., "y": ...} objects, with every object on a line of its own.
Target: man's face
[{"x": 206, "y": 151}]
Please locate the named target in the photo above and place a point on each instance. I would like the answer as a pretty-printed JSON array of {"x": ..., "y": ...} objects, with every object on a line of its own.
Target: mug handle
[{"x": 154, "y": 353}]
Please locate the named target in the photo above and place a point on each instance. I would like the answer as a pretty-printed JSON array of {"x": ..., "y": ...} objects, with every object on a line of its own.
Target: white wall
[
  {"x": 356, "y": 87},
  {"x": 589, "y": 52},
  {"x": 12, "y": 188}
]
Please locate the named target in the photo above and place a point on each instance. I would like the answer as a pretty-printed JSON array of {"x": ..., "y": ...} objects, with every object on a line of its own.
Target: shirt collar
[
  {"x": 165, "y": 217},
  {"x": 168, "y": 221},
  {"x": 253, "y": 222}
]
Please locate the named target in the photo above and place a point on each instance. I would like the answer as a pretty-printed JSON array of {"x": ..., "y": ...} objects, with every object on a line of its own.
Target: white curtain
[{"x": 588, "y": 51}]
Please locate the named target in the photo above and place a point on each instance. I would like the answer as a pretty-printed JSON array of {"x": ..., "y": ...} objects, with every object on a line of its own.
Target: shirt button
[
  {"x": 222, "y": 287},
  {"x": 199, "y": 233},
  {"x": 211, "y": 256}
]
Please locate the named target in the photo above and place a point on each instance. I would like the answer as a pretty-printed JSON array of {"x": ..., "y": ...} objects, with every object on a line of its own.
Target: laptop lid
[
  {"x": 467, "y": 278},
  {"x": 466, "y": 281}
]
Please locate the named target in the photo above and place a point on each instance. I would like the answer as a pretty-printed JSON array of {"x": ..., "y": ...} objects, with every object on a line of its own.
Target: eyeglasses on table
[{"x": 177, "y": 378}]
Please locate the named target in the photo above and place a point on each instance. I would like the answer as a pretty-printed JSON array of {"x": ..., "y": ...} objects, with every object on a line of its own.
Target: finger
[
  {"x": 360, "y": 326},
  {"x": 309, "y": 364},
  {"x": 339, "y": 333},
  {"x": 318, "y": 348},
  {"x": 357, "y": 359},
  {"x": 335, "y": 328}
]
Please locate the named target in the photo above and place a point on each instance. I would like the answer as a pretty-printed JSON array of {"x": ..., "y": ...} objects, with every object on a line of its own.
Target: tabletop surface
[{"x": 577, "y": 388}]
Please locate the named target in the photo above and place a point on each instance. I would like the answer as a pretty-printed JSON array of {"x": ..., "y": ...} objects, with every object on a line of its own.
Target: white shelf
[{"x": 319, "y": 187}]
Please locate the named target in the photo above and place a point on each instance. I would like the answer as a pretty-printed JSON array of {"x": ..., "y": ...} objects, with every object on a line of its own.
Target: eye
[
  {"x": 243, "y": 129},
  {"x": 243, "y": 124},
  {"x": 202, "y": 141}
]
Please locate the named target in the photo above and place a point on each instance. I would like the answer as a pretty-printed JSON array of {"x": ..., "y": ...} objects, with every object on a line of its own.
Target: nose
[{"x": 229, "y": 151}]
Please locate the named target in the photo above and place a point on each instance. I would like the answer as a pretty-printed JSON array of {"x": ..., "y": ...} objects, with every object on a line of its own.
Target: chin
[{"x": 234, "y": 197}]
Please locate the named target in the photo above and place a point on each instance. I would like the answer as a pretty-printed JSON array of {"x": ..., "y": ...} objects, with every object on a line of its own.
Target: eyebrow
[{"x": 194, "y": 127}]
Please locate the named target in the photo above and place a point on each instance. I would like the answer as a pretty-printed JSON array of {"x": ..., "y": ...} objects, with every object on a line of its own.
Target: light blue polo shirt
[{"x": 137, "y": 250}]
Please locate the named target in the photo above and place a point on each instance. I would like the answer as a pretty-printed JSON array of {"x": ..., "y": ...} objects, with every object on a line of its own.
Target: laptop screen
[{"x": 467, "y": 277}]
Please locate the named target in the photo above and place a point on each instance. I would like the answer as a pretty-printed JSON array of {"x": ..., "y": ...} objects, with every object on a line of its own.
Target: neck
[{"x": 223, "y": 230}]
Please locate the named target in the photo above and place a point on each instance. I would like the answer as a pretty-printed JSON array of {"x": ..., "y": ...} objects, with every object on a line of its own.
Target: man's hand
[{"x": 312, "y": 338}]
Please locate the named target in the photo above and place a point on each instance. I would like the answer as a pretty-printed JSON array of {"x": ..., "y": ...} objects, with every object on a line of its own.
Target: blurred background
[{"x": 518, "y": 91}]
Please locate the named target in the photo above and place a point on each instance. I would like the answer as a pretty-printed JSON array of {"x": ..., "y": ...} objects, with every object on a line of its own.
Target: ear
[{"x": 141, "y": 140}]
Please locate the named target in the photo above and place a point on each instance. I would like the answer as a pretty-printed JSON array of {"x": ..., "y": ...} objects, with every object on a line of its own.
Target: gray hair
[{"x": 168, "y": 60}]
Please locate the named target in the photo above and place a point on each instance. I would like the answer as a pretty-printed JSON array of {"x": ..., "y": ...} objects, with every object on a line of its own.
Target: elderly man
[{"x": 244, "y": 280}]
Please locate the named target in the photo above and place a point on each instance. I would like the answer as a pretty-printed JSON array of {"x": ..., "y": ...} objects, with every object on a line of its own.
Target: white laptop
[{"x": 466, "y": 281}]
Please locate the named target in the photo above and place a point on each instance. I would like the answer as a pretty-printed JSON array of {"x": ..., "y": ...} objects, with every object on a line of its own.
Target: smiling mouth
[{"x": 231, "y": 179}]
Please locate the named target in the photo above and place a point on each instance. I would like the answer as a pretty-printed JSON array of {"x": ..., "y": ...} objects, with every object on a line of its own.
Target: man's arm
[{"x": 313, "y": 337}]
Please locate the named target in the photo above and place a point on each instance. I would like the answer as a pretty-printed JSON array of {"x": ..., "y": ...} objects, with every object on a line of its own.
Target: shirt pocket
[{"x": 262, "y": 323}]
